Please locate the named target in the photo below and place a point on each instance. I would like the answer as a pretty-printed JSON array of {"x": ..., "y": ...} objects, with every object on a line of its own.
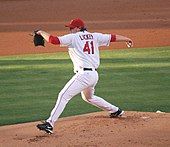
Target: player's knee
[
  {"x": 86, "y": 97},
  {"x": 90, "y": 100}
]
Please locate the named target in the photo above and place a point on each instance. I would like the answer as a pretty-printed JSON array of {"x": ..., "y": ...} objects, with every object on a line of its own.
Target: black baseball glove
[{"x": 38, "y": 39}]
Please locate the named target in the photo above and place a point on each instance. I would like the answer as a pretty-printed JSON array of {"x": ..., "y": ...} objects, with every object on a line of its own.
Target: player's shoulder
[
  {"x": 66, "y": 36},
  {"x": 97, "y": 34}
]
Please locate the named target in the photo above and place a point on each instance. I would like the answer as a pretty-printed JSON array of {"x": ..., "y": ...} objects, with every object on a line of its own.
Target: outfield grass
[{"x": 134, "y": 79}]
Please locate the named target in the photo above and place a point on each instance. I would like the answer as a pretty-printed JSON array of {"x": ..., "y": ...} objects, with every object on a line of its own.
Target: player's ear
[{"x": 78, "y": 29}]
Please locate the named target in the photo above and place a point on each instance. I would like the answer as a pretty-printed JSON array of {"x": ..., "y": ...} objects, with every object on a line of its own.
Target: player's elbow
[{"x": 54, "y": 40}]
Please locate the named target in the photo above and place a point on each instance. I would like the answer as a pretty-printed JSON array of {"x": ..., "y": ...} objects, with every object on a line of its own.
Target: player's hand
[
  {"x": 129, "y": 43},
  {"x": 37, "y": 32}
]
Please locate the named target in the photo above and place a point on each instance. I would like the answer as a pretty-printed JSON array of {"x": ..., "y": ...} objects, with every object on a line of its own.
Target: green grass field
[{"x": 134, "y": 79}]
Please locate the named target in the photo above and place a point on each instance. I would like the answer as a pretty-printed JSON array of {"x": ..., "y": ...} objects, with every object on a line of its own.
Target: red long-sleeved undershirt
[
  {"x": 54, "y": 40},
  {"x": 113, "y": 38}
]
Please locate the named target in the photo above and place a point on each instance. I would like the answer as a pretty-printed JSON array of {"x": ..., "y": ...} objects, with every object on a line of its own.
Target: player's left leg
[{"x": 88, "y": 96}]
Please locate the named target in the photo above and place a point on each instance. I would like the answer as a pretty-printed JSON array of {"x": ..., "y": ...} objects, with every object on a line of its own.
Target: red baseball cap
[{"x": 77, "y": 22}]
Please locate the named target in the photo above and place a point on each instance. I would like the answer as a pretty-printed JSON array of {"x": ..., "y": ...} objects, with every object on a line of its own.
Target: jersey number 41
[{"x": 89, "y": 47}]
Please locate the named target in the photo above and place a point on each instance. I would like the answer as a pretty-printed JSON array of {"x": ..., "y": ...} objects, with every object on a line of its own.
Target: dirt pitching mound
[{"x": 94, "y": 130}]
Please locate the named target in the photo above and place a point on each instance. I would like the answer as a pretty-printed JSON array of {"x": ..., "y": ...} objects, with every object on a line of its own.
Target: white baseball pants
[{"x": 84, "y": 82}]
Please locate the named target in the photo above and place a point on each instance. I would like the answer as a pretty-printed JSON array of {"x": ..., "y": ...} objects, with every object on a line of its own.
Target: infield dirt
[{"x": 147, "y": 22}]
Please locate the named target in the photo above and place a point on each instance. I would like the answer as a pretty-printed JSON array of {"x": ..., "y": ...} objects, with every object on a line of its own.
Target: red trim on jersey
[
  {"x": 54, "y": 40},
  {"x": 113, "y": 38}
]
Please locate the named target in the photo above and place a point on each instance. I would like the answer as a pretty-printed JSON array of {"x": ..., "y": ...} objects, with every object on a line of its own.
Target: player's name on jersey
[{"x": 86, "y": 37}]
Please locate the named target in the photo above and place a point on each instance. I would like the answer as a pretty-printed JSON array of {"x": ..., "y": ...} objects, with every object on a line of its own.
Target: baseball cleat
[
  {"x": 45, "y": 127},
  {"x": 118, "y": 113}
]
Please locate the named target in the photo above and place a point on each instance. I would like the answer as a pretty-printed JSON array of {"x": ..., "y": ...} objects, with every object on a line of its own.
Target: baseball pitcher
[{"x": 83, "y": 48}]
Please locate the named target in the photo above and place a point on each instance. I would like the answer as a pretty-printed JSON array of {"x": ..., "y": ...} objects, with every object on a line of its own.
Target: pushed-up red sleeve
[
  {"x": 113, "y": 38},
  {"x": 54, "y": 40}
]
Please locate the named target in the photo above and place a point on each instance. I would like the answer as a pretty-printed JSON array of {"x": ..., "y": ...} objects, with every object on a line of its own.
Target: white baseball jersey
[{"x": 83, "y": 48}]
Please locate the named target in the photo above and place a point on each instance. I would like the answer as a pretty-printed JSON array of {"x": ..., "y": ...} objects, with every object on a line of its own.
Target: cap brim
[{"x": 69, "y": 26}]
